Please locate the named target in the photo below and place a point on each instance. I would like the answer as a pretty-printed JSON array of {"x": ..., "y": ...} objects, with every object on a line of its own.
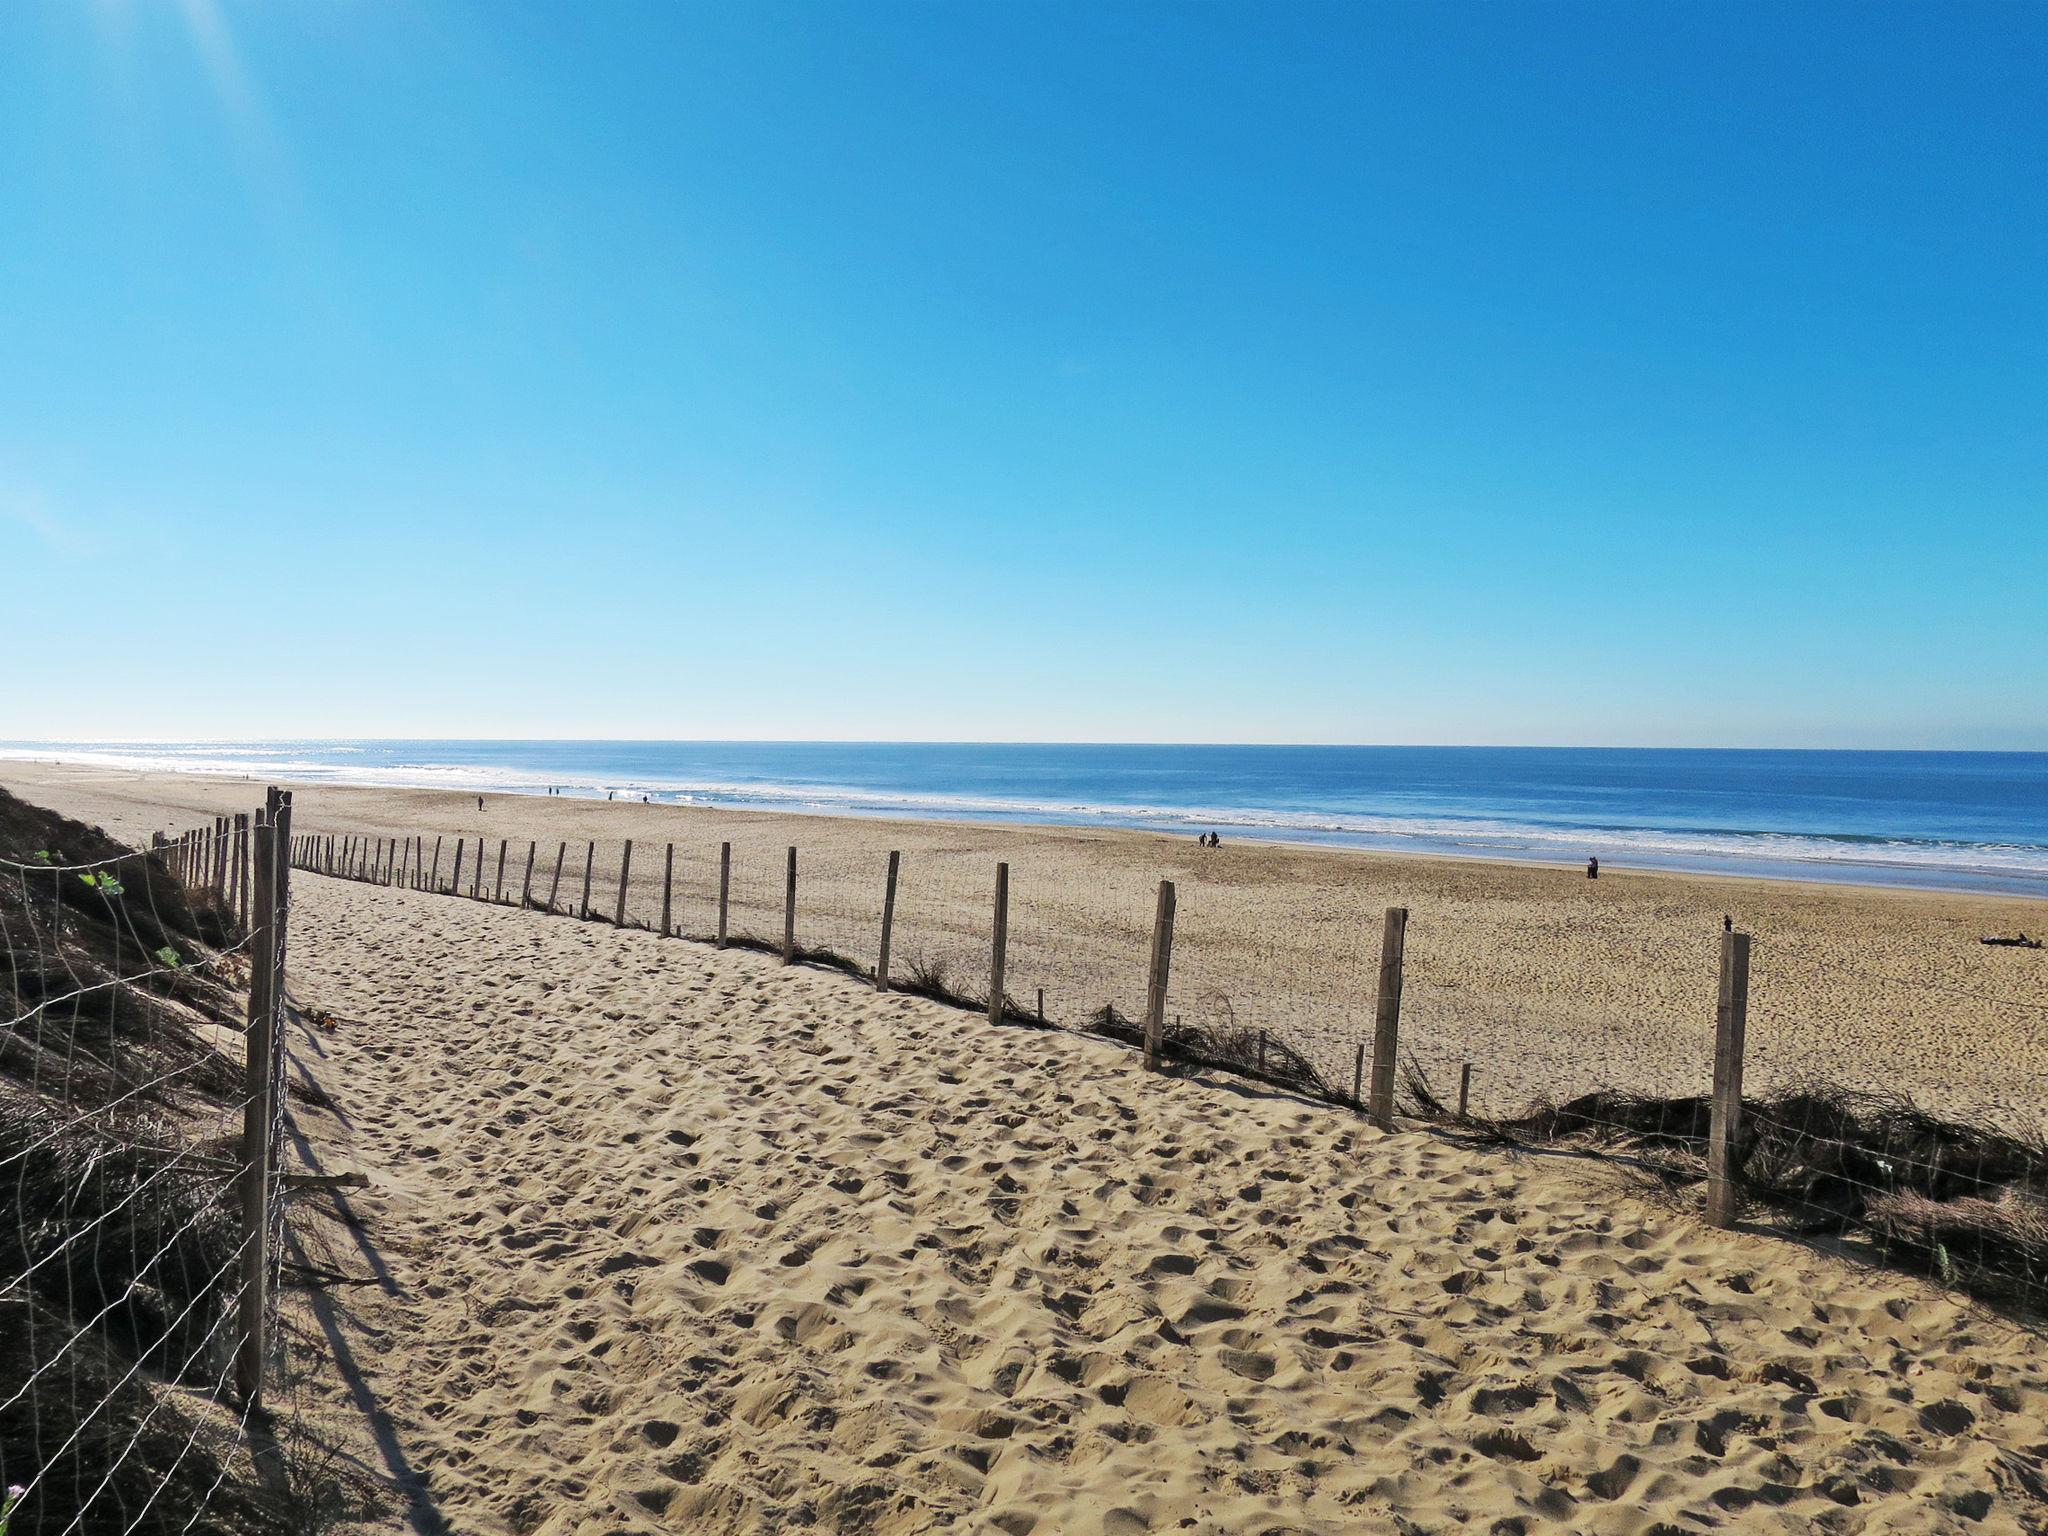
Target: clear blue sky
[{"x": 1371, "y": 372}]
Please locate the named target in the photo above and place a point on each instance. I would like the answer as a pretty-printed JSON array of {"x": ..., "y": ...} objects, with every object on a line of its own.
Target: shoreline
[
  {"x": 1185, "y": 824},
  {"x": 1551, "y": 983}
]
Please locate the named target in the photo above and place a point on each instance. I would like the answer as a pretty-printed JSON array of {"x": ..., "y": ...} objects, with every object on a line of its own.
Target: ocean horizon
[{"x": 1954, "y": 820}]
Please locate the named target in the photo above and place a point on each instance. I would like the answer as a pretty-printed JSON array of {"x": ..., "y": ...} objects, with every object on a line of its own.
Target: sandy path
[
  {"x": 686, "y": 1241},
  {"x": 1550, "y": 983}
]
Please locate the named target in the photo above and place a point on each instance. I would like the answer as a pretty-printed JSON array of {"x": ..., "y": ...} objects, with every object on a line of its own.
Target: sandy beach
[
  {"x": 668, "y": 1239},
  {"x": 1548, "y": 983},
  {"x": 657, "y": 1237}
]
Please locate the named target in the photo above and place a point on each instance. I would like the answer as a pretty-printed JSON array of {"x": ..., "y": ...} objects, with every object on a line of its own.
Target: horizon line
[{"x": 943, "y": 741}]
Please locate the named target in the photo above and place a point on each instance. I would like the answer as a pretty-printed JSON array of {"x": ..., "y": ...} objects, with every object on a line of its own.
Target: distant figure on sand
[
  {"x": 1592, "y": 869},
  {"x": 479, "y": 802},
  {"x": 1727, "y": 923}
]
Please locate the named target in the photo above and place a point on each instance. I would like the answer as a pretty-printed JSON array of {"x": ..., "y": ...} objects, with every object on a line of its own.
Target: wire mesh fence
[
  {"x": 137, "y": 1142},
  {"x": 1321, "y": 998}
]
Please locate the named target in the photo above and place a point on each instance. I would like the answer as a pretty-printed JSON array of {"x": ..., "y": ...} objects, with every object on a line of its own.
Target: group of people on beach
[{"x": 1209, "y": 840}]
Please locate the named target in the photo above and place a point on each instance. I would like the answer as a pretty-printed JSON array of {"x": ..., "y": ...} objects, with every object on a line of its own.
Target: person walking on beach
[
  {"x": 479, "y": 802},
  {"x": 1592, "y": 869}
]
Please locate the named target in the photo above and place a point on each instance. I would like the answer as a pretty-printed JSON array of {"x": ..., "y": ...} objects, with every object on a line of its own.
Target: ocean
[{"x": 1956, "y": 820}]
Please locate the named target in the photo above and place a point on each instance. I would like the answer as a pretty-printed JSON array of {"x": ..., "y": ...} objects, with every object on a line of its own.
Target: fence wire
[{"x": 122, "y": 1170}]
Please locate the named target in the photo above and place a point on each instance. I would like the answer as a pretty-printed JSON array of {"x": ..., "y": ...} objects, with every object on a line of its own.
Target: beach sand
[
  {"x": 1550, "y": 984},
  {"x": 664, "y": 1238},
  {"x": 682, "y": 1240}
]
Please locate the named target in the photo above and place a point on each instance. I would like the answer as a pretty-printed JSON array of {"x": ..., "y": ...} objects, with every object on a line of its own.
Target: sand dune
[{"x": 681, "y": 1240}]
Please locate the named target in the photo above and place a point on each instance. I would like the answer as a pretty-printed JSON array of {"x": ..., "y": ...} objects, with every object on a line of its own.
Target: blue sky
[{"x": 1378, "y": 373}]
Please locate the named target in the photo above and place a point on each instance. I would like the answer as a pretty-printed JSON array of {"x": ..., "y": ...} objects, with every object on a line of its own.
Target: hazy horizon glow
[{"x": 1602, "y": 375}]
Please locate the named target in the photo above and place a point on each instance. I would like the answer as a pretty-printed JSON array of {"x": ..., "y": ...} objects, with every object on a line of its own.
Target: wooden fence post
[
  {"x": 789, "y": 909},
  {"x": 1386, "y": 1028},
  {"x": 554, "y": 885},
  {"x": 589, "y": 861},
  {"x": 455, "y": 880},
  {"x": 668, "y": 890},
  {"x": 242, "y": 867},
  {"x": 258, "y": 1108},
  {"x": 1464, "y": 1089},
  {"x": 434, "y": 876},
  {"x": 499, "y": 894},
  {"x": 1156, "y": 983},
  {"x": 1000, "y": 952},
  {"x": 888, "y": 920},
  {"x": 476, "y": 881},
  {"x": 1731, "y": 1024},
  {"x": 625, "y": 869},
  {"x": 526, "y": 885},
  {"x": 724, "y": 888}
]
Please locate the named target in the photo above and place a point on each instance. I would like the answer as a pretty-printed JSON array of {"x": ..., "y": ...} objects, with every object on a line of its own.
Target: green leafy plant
[
  {"x": 107, "y": 885},
  {"x": 40, "y": 856},
  {"x": 167, "y": 957}
]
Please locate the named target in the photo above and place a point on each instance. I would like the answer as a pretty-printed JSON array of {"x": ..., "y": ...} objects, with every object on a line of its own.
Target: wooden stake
[
  {"x": 259, "y": 1081},
  {"x": 1386, "y": 1035},
  {"x": 554, "y": 885},
  {"x": 1731, "y": 1025},
  {"x": 476, "y": 880},
  {"x": 589, "y": 858},
  {"x": 1464, "y": 1089},
  {"x": 1156, "y": 982},
  {"x": 434, "y": 876},
  {"x": 242, "y": 866},
  {"x": 888, "y": 921},
  {"x": 455, "y": 880},
  {"x": 668, "y": 890},
  {"x": 1041, "y": 1005},
  {"x": 526, "y": 885},
  {"x": 498, "y": 895},
  {"x": 724, "y": 888},
  {"x": 1358, "y": 1078},
  {"x": 789, "y": 909},
  {"x": 999, "y": 955},
  {"x": 625, "y": 868}
]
